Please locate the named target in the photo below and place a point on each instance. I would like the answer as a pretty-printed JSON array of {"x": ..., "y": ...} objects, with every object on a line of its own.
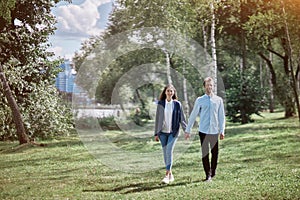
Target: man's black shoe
[
  {"x": 213, "y": 173},
  {"x": 208, "y": 178}
]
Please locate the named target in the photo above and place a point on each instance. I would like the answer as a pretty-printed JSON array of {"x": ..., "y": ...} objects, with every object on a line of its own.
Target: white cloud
[
  {"x": 79, "y": 20},
  {"x": 76, "y": 22},
  {"x": 61, "y": 52}
]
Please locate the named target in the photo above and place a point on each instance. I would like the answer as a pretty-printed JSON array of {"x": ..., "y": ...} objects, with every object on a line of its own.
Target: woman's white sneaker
[
  {"x": 166, "y": 179},
  {"x": 171, "y": 178}
]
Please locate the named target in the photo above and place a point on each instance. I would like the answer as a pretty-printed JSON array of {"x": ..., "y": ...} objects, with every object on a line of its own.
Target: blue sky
[{"x": 76, "y": 22}]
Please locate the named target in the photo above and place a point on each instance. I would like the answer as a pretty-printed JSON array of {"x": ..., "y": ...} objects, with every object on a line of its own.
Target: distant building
[
  {"x": 65, "y": 83},
  {"x": 65, "y": 79}
]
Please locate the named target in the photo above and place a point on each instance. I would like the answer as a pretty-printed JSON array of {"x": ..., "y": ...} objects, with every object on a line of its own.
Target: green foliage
[
  {"x": 111, "y": 75},
  {"x": 246, "y": 96},
  {"x": 31, "y": 71},
  {"x": 244, "y": 29},
  {"x": 5, "y": 9},
  {"x": 173, "y": 14},
  {"x": 108, "y": 123},
  {"x": 44, "y": 114},
  {"x": 140, "y": 115}
]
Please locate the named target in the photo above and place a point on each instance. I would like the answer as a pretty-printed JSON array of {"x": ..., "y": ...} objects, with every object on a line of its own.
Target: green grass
[{"x": 257, "y": 161}]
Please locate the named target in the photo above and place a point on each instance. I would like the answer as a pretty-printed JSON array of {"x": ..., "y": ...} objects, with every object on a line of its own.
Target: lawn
[{"x": 257, "y": 161}]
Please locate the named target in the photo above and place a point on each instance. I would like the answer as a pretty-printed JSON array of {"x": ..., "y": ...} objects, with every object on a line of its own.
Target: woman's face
[{"x": 169, "y": 93}]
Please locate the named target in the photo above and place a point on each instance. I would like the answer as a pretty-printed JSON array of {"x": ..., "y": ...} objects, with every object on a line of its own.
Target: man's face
[{"x": 209, "y": 87}]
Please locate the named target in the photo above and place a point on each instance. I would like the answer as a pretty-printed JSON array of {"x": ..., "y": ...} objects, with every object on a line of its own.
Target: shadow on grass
[
  {"x": 16, "y": 148},
  {"x": 64, "y": 143},
  {"x": 139, "y": 187}
]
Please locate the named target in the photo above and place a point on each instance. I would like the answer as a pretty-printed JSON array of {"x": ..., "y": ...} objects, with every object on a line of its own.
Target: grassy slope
[{"x": 257, "y": 161}]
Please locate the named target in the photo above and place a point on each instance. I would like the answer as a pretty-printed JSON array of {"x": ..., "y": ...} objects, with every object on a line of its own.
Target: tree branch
[
  {"x": 274, "y": 52},
  {"x": 269, "y": 64}
]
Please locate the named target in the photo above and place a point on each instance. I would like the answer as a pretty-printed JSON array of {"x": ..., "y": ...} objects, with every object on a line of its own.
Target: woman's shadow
[{"x": 140, "y": 187}]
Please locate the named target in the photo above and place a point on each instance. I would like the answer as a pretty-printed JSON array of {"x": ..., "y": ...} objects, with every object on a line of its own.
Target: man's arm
[
  {"x": 193, "y": 115},
  {"x": 221, "y": 119}
]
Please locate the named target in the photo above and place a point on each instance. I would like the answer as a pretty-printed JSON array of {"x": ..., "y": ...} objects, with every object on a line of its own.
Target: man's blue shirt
[{"x": 210, "y": 109}]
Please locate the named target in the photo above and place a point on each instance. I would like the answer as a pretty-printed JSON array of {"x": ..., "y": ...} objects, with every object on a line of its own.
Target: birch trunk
[
  {"x": 185, "y": 95},
  {"x": 168, "y": 67},
  {"x": 213, "y": 47}
]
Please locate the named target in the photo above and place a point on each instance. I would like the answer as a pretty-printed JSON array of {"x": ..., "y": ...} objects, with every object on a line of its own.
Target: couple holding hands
[{"x": 169, "y": 116}]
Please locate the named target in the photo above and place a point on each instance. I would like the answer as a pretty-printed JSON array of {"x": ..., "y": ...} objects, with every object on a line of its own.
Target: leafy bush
[
  {"x": 140, "y": 116},
  {"x": 105, "y": 123},
  {"x": 244, "y": 98}
]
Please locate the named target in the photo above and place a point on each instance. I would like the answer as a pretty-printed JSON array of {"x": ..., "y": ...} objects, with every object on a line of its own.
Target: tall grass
[{"x": 256, "y": 161}]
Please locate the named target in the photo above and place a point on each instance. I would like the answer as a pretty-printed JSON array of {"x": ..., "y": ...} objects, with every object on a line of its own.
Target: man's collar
[{"x": 211, "y": 95}]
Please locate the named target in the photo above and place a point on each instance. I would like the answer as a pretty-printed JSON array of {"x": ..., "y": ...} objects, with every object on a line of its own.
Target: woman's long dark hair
[{"x": 163, "y": 95}]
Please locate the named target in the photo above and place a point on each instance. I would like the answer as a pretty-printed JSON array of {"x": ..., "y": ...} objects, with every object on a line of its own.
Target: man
[{"x": 210, "y": 109}]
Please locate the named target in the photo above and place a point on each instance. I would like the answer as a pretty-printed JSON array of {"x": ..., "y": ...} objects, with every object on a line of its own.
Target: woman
[{"x": 169, "y": 116}]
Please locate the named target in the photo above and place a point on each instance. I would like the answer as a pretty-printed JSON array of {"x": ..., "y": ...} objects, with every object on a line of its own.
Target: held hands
[{"x": 187, "y": 136}]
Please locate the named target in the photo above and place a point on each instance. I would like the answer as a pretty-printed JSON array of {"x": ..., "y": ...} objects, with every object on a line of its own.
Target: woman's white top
[{"x": 167, "y": 127}]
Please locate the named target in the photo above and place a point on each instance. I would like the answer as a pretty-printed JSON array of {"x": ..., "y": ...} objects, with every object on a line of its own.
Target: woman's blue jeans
[{"x": 167, "y": 141}]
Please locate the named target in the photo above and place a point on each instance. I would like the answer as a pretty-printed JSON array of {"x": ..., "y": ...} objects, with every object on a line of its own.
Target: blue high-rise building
[
  {"x": 65, "y": 80},
  {"x": 65, "y": 83}
]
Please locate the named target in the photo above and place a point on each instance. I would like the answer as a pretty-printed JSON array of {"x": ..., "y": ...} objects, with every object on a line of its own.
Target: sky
[{"x": 76, "y": 22}]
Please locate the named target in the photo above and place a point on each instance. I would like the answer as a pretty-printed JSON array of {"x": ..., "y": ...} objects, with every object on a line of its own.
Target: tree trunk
[
  {"x": 243, "y": 64},
  {"x": 261, "y": 74},
  {"x": 16, "y": 115},
  {"x": 297, "y": 75},
  {"x": 290, "y": 53},
  {"x": 271, "y": 103},
  {"x": 289, "y": 108},
  {"x": 185, "y": 94},
  {"x": 244, "y": 117},
  {"x": 204, "y": 32},
  {"x": 168, "y": 67},
  {"x": 286, "y": 99},
  {"x": 213, "y": 47}
]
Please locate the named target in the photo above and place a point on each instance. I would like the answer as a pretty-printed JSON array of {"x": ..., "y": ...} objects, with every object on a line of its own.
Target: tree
[
  {"x": 290, "y": 54},
  {"x": 250, "y": 89},
  {"x": 269, "y": 28},
  {"x": 16, "y": 115},
  {"x": 128, "y": 15},
  {"x": 251, "y": 28},
  {"x": 27, "y": 75},
  {"x": 233, "y": 44}
]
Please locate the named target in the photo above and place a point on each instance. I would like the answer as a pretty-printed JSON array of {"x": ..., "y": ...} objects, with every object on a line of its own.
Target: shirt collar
[
  {"x": 169, "y": 102},
  {"x": 212, "y": 95}
]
